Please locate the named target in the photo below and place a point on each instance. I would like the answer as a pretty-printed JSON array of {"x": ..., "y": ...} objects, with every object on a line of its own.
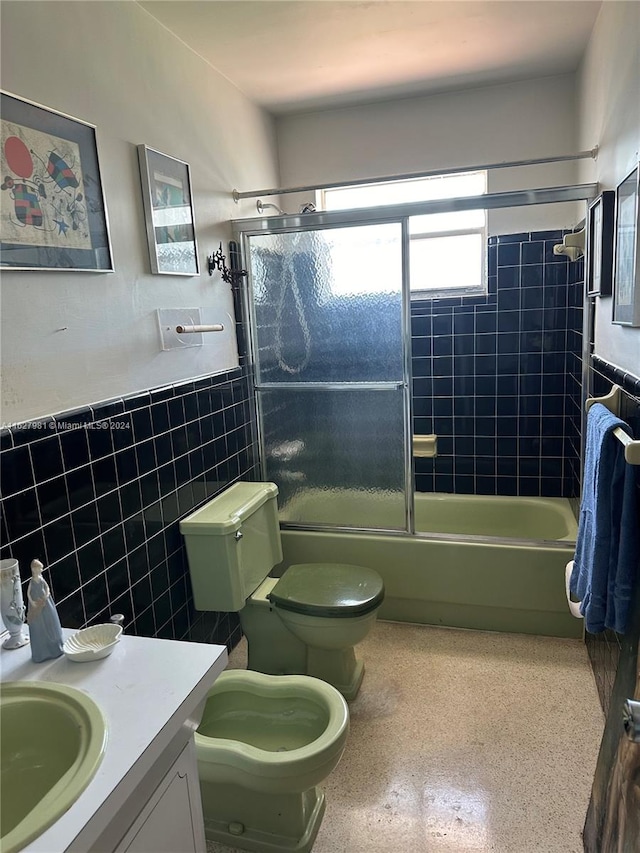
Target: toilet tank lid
[
  {"x": 225, "y": 513},
  {"x": 329, "y": 589}
]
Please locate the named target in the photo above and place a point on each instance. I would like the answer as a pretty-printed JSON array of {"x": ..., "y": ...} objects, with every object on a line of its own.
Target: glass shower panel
[
  {"x": 337, "y": 457},
  {"x": 327, "y": 304},
  {"x": 328, "y": 332}
]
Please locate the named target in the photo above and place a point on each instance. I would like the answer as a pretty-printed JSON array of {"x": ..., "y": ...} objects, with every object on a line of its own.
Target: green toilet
[{"x": 305, "y": 622}]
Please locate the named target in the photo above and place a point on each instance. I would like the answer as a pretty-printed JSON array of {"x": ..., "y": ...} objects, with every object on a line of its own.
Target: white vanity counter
[{"x": 151, "y": 693}]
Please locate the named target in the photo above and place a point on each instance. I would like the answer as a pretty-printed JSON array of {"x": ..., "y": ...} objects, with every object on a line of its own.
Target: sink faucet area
[{"x": 86, "y": 747}]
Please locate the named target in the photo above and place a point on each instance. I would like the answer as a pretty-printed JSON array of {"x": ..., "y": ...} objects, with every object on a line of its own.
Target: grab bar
[
  {"x": 574, "y": 606},
  {"x": 611, "y": 401}
]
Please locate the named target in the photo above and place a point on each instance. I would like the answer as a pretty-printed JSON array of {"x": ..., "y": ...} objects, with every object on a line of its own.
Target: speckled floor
[{"x": 463, "y": 741}]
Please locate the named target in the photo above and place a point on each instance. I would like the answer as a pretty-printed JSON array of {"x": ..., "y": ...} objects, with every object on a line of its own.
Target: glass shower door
[{"x": 328, "y": 331}]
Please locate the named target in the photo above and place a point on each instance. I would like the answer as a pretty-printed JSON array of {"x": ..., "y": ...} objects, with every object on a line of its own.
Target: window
[{"x": 447, "y": 251}]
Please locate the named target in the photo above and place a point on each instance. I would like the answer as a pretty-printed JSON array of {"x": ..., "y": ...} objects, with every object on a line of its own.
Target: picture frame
[
  {"x": 169, "y": 216},
  {"x": 626, "y": 288},
  {"x": 600, "y": 234},
  {"x": 53, "y": 214}
]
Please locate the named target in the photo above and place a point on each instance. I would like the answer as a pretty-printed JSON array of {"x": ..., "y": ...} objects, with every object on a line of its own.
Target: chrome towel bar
[{"x": 612, "y": 402}]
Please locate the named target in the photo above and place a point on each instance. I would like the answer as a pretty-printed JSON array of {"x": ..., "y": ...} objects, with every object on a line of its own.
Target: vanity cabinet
[
  {"x": 145, "y": 794},
  {"x": 172, "y": 818},
  {"x": 162, "y": 812}
]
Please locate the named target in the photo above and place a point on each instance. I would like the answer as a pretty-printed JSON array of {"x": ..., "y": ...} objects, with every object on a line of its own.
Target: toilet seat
[{"x": 328, "y": 589}]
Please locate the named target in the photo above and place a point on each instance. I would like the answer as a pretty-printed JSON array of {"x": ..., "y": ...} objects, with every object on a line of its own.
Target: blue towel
[{"x": 608, "y": 543}]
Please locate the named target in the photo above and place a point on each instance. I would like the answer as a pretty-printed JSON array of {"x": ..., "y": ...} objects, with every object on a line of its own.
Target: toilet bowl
[
  {"x": 285, "y": 635},
  {"x": 264, "y": 744},
  {"x": 309, "y": 619}
]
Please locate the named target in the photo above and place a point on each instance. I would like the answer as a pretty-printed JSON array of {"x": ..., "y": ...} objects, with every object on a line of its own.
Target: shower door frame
[
  {"x": 322, "y": 222},
  {"x": 397, "y": 213}
]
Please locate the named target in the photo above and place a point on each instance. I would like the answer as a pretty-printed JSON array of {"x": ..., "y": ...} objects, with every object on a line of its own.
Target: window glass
[
  {"x": 447, "y": 250},
  {"x": 460, "y": 220},
  {"x": 402, "y": 192},
  {"x": 443, "y": 263}
]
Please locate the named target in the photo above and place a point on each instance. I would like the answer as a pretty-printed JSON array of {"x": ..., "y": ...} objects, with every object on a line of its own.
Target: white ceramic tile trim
[{"x": 463, "y": 742}]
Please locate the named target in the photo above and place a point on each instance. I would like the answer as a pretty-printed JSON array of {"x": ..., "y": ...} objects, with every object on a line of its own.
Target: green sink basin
[{"x": 52, "y": 739}]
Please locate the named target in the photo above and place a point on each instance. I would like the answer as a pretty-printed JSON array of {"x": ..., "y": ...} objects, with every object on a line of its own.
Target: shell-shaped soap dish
[{"x": 92, "y": 643}]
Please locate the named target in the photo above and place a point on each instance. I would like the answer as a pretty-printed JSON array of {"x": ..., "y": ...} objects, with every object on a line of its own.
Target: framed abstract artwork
[
  {"x": 626, "y": 288},
  {"x": 53, "y": 214},
  {"x": 600, "y": 244},
  {"x": 168, "y": 210}
]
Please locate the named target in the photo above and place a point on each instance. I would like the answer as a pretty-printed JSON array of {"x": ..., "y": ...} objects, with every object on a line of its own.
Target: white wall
[
  {"x": 112, "y": 65},
  {"x": 515, "y": 121},
  {"x": 609, "y": 101}
]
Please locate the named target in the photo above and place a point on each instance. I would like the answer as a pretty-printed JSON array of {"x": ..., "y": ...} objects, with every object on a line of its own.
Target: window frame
[
  {"x": 417, "y": 294},
  {"x": 420, "y": 293}
]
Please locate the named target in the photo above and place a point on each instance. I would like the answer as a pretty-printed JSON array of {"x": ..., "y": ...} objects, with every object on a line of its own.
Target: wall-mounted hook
[
  {"x": 572, "y": 245},
  {"x": 218, "y": 261}
]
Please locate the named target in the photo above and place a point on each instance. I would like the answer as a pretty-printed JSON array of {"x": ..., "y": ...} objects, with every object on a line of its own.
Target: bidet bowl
[
  {"x": 277, "y": 734},
  {"x": 53, "y": 738}
]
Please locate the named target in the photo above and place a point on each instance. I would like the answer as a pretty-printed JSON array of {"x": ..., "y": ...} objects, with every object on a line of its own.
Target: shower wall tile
[
  {"x": 97, "y": 495},
  {"x": 498, "y": 378}
]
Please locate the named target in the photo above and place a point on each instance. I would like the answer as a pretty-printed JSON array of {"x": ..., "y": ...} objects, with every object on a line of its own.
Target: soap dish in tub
[{"x": 92, "y": 643}]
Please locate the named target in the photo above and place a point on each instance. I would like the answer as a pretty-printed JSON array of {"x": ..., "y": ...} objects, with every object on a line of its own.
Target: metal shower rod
[{"x": 582, "y": 155}]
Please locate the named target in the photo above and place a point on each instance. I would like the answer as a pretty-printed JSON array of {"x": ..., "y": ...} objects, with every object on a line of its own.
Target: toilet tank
[{"x": 232, "y": 542}]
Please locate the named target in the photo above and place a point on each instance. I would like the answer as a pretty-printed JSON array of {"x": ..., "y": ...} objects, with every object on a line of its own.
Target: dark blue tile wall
[
  {"x": 497, "y": 378},
  {"x": 604, "y": 648},
  {"x": 574, "y": 377},
  {"x": 97, "y": 494}
]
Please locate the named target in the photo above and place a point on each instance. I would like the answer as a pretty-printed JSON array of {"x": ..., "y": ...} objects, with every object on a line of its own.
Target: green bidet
[{"x": 264, "y": 744}]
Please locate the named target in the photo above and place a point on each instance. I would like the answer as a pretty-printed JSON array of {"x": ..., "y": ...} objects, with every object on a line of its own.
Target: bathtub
[{"x": 492, "y": 563}]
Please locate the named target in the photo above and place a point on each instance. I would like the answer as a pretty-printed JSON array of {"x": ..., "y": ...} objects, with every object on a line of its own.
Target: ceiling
[{"x": 297, "y": 55}]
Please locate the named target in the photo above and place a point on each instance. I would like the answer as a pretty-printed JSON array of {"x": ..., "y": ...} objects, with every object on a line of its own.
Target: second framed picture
[
  {"x": 600, "y": 244},
  {"x": 168, "y": 208},
  {"x": 626, "y": 289}
]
